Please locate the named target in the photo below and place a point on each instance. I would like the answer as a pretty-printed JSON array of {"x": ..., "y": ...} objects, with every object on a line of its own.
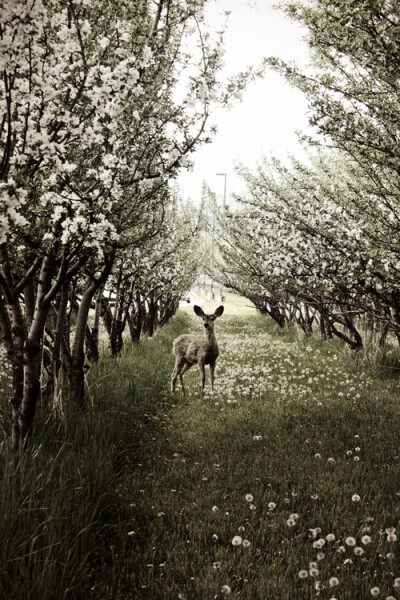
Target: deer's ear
[
  {"x": 219, "y": 311},
  {"x": 199, "y": 311}
]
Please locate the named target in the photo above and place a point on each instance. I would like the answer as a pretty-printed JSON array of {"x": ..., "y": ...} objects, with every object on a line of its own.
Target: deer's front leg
[
  {"x": 212, "y": 369},
  {"x": 203, "y": 376}
]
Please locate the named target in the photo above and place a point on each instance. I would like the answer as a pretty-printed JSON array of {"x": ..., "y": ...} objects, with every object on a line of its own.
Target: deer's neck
[{"x": 210, "y": 336}]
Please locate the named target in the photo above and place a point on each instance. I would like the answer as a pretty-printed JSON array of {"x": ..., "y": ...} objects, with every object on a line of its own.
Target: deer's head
[{"x": 208, "y": 320}]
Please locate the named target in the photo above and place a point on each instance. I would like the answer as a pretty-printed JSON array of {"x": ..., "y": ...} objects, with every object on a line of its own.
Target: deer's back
[{"x": 195, "y": 348}]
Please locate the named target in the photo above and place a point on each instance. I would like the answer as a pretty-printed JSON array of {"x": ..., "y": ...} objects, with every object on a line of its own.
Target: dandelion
[
  {"x": 396, "y": 584},
  {"x": 358, "y": 551},
  {"x": 214, "y": 537},
  {"x": 320, "y": 555},
  {"x": 252, "y": 507},
  {"x": 350, "y": 541},
  {"x": 334, "y": 582},
  {"x": 303, "y": 574},
  {"x": 356, "y": 498},
  {"x": 331, "y": 460},
  {"x": 374, "y": 591},
  {"x": 313, "y": 565},
  {"x": 246, "y": 543},
  {"x": 348, "y": 561},
  {"x": 319, "y": 544},
  {"x": 249, "y": 498},
  {"x": 271, "y": 506},
  {"x": 317, "y": 455},
  {"x": 357, "y": 449},
  {"x": 314, "y": 532},
  {"x": 318, "y": 586},
  {"x": 330, "y": 537},
  {"x": 390, "y": 530},
  {"x": 341, "y": 550},
  {"x": 216, "y": 565},
  {"x": 391, "y": 537},
  {"x": 294, "y": 516},
  {"x": 314, "y": 572},
  {"x": 226, "y": 590},
  {"x": 214, "y": 508},
  {"x": 237, "y": 540},
  {"x": 241, "y": 528},
  {"x": 366, "y": 540},
  {"x": 390, "y": 598},
  {"x": 390, "y": 556},
  {"x": 314, "y": 496},
  {"x": 356, "y": 458},
  {"x": 291, "y": 522},
  {"x": 349, "y": 452}
]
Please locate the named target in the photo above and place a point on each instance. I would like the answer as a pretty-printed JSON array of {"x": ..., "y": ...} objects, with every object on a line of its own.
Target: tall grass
[{"x": 141, "y": 496}]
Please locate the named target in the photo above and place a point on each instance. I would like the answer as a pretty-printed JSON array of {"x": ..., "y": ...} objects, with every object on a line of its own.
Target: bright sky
[{"x": 271, "y": 111}]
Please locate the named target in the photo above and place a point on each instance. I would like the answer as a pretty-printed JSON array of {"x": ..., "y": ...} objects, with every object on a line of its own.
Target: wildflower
[
  {"x": 349, "y": 452},
  {"x": 356, "y": 498},
  {"x": 319, "y": 544},
  {"x": 331, "y": 460},
  {"x": 390, "y": 530},
  {"x": 366, "y": 540},
  {"x": 396, "y": 584},
  {"x": 249, "y": 498},
  {"x": 217, "y": 565},
  {"x": 358, "y": 551},
  {"x": 214, "y": 537},
  {"x": 320, "y": 555},
  {"x": 356, "y": 458},
  {"x": 350, "y": 541},
  {"x": 390, "y": 556},
  {"x": 315, "y": 532},
  {"x": 341, "y": 550},
  {"x": 291, "y": 522},
  {"x": 330, "y": 537},
  {"x": 226, "y": 590},
  {"x": 313, "y": 565},
  {"x": 318, "y": 586},
  {"x": 314, "y": 496},
  {"x": 252, "y": 507},
  {"x": 271, "y": 506},
  {"x": 314, "y": 572},
  {"x": 237, "y": 540},
  {"x": 294, "y": 516},
  {"x": 357, "y": 449},
  {"x": 317, "y": 455},
  {"x": 390, "y": 598},
  {"x": 334, "y": 582},
  {"x": 348, "y": 561},
  {"x": 214, "y": 508},
  {"x": 303, "y": 574},
  {"x": 374, "y": 591},
  {"x": 246, "y": 543},
  {"x": 391, "y": 537},
  {"x": 241, "y": 528}
]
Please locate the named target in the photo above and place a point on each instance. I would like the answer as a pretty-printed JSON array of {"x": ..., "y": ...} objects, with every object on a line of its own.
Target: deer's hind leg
[
  {"x": 180, "y": 361},
  {"x": 183, "y": 370}
]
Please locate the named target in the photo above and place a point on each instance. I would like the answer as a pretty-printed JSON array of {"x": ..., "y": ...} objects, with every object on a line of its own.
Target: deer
[{"x": 191, "y": 349}]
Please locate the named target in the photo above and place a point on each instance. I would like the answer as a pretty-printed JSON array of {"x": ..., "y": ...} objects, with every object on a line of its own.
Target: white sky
[{"x": 265, "y": 122}]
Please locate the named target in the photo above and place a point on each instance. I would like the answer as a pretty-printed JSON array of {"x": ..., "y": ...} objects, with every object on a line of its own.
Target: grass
[{"x": 141, "y": 497}]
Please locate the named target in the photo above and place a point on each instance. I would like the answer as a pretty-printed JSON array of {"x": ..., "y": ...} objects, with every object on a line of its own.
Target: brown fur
[{"x": 191, "y": 349}]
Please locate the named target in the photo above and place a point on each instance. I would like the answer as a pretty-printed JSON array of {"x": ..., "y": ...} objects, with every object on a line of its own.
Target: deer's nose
[{"x": 205, "y": 324}]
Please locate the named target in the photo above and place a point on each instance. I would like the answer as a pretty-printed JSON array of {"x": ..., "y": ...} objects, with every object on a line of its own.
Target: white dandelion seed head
[
  {"x": 271, "y": 506},
  {"x": 330, "y": 537},
  {"x": 350, "y": 541},
  {"x": 358, "y": 551},
  {"x": 249, "y": 497},
  {"x": 374, "y": 591},
  {"x": 356, "y": 498},
  {"x": 348, "y": 561},
  {"x": 226, "y": 590},
  {"x": 366, "y": 540},
  {"x": 214, "y": 537},
  {"x": 334, "y": 582},
  {"x": 216, "y": 565},
  {"x": 390, "y": 530},
  {"x": 396, "y": 583},
  {"x": 214, "y": 508},
  {"x": 291, "y": 522},
  {"x": 331, "y": 460},
  {"x": 303, "y": 574},
  {"x": 391, "y": 537},
  {"x": 246, "y": 543},
  {"x": 237, "y": 540},
  {"x": 320, "y": 555},
  {"x": 314, "y": 572},
  {"x": 241, "y": 528},
  {"x": 341, "y": 550}
]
